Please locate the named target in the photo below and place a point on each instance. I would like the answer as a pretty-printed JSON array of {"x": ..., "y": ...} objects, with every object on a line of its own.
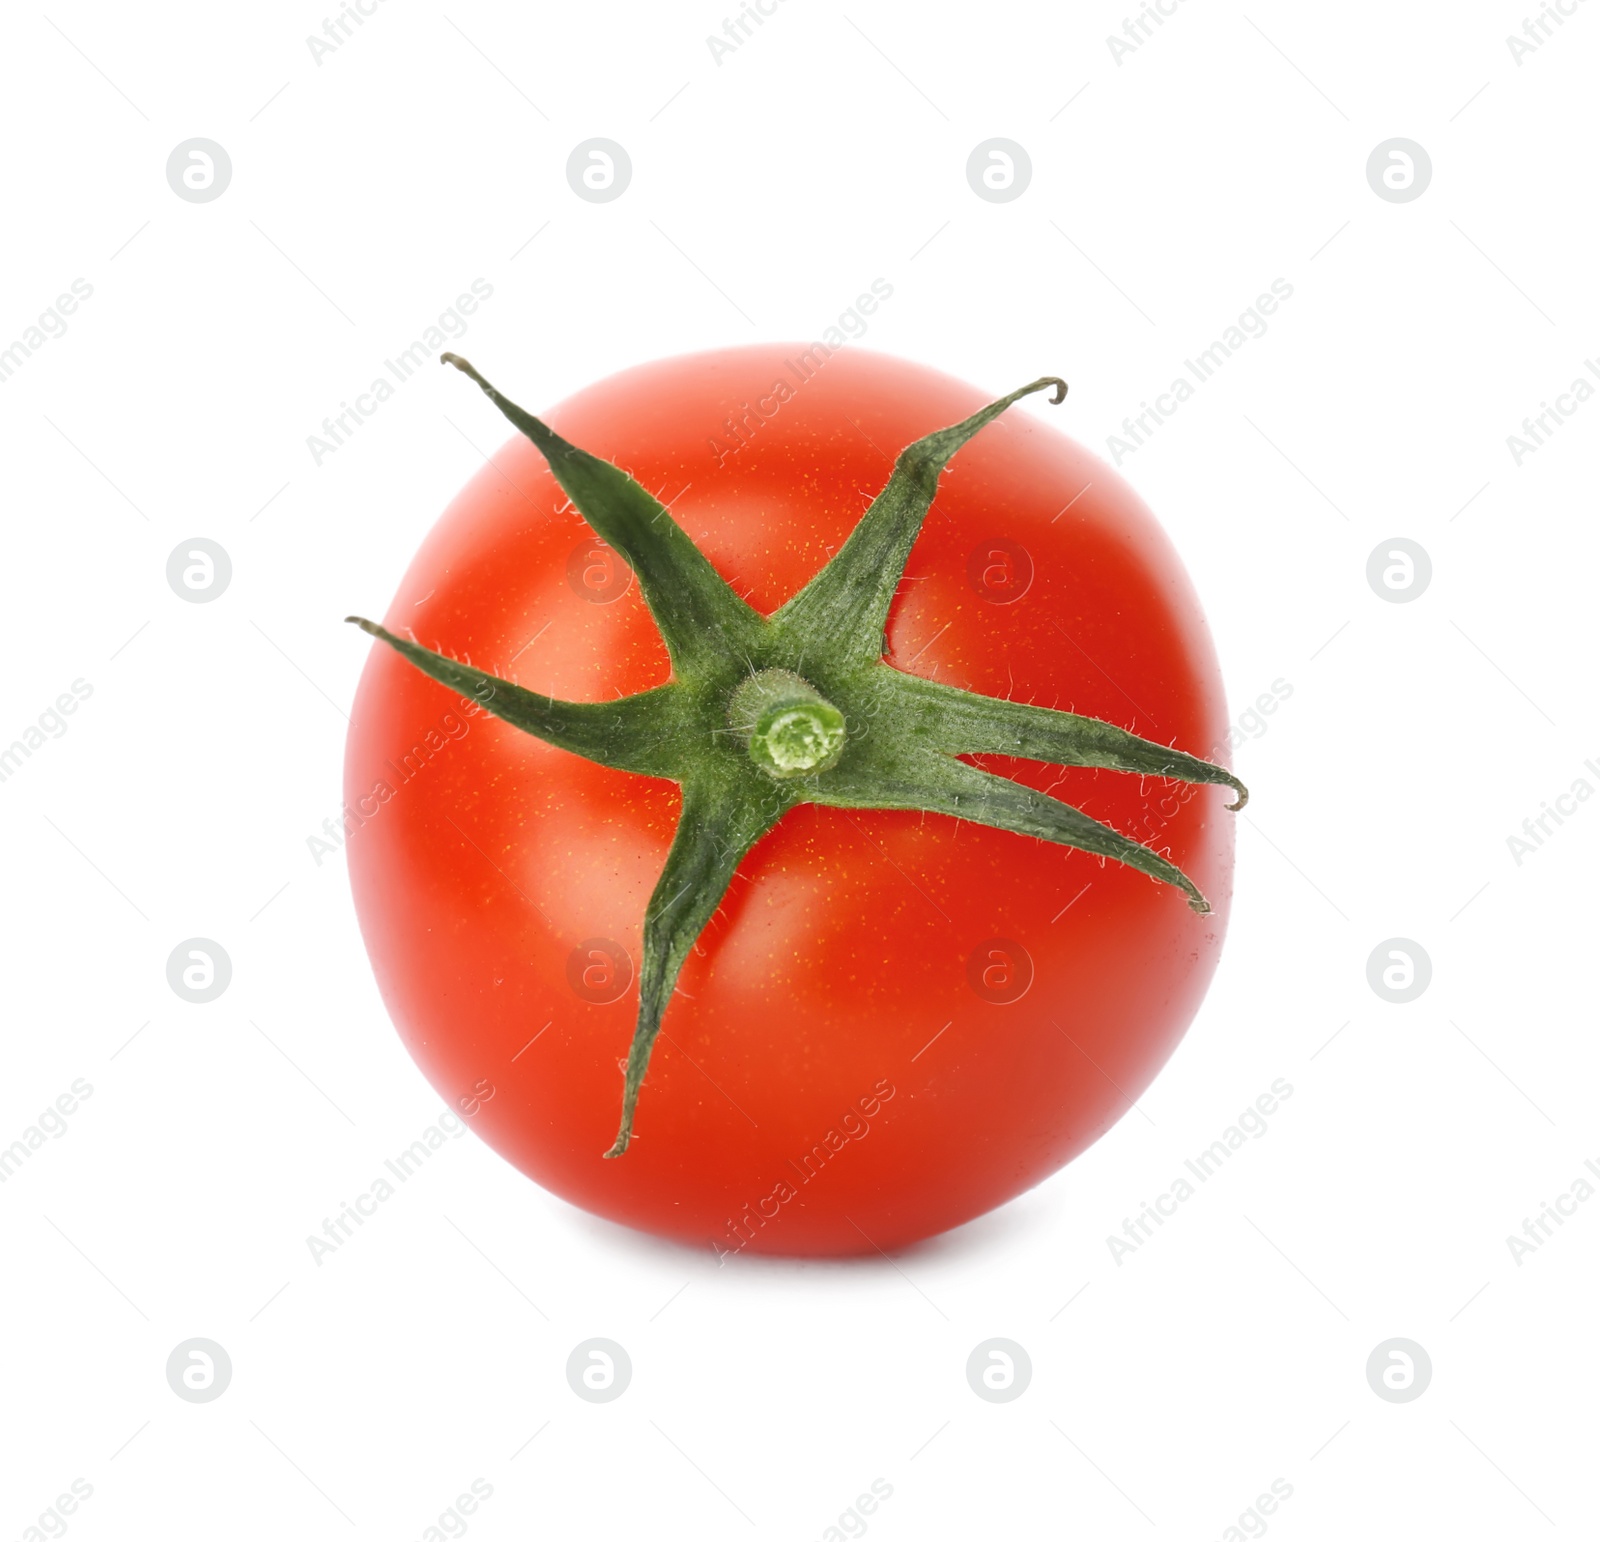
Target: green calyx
[{"x": 766, "y": 712}]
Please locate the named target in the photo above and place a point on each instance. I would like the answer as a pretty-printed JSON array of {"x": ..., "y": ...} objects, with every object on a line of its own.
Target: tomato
[{"x": 896, "y": 1020}]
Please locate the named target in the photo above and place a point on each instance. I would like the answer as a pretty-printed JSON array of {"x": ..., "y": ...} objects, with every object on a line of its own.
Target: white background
[{"x": 1168, "y": 190}]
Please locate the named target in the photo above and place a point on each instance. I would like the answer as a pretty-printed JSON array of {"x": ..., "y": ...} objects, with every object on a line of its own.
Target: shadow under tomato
[{"x": 1016, "y": 1224}]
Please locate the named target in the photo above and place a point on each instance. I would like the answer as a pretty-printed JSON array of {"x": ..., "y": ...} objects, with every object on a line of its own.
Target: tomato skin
[{"x": 836, "y": 1074}]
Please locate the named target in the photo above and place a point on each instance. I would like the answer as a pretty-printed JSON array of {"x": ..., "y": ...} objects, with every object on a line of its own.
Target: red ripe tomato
[{"x": 896, "y": 1021}]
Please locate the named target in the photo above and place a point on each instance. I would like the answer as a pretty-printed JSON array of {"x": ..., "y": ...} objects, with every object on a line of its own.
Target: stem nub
[{"x": 789, "y": 729}]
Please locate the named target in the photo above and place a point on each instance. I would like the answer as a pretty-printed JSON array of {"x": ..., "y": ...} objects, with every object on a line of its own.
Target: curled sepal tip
[{"x": 848, "y": 601}]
